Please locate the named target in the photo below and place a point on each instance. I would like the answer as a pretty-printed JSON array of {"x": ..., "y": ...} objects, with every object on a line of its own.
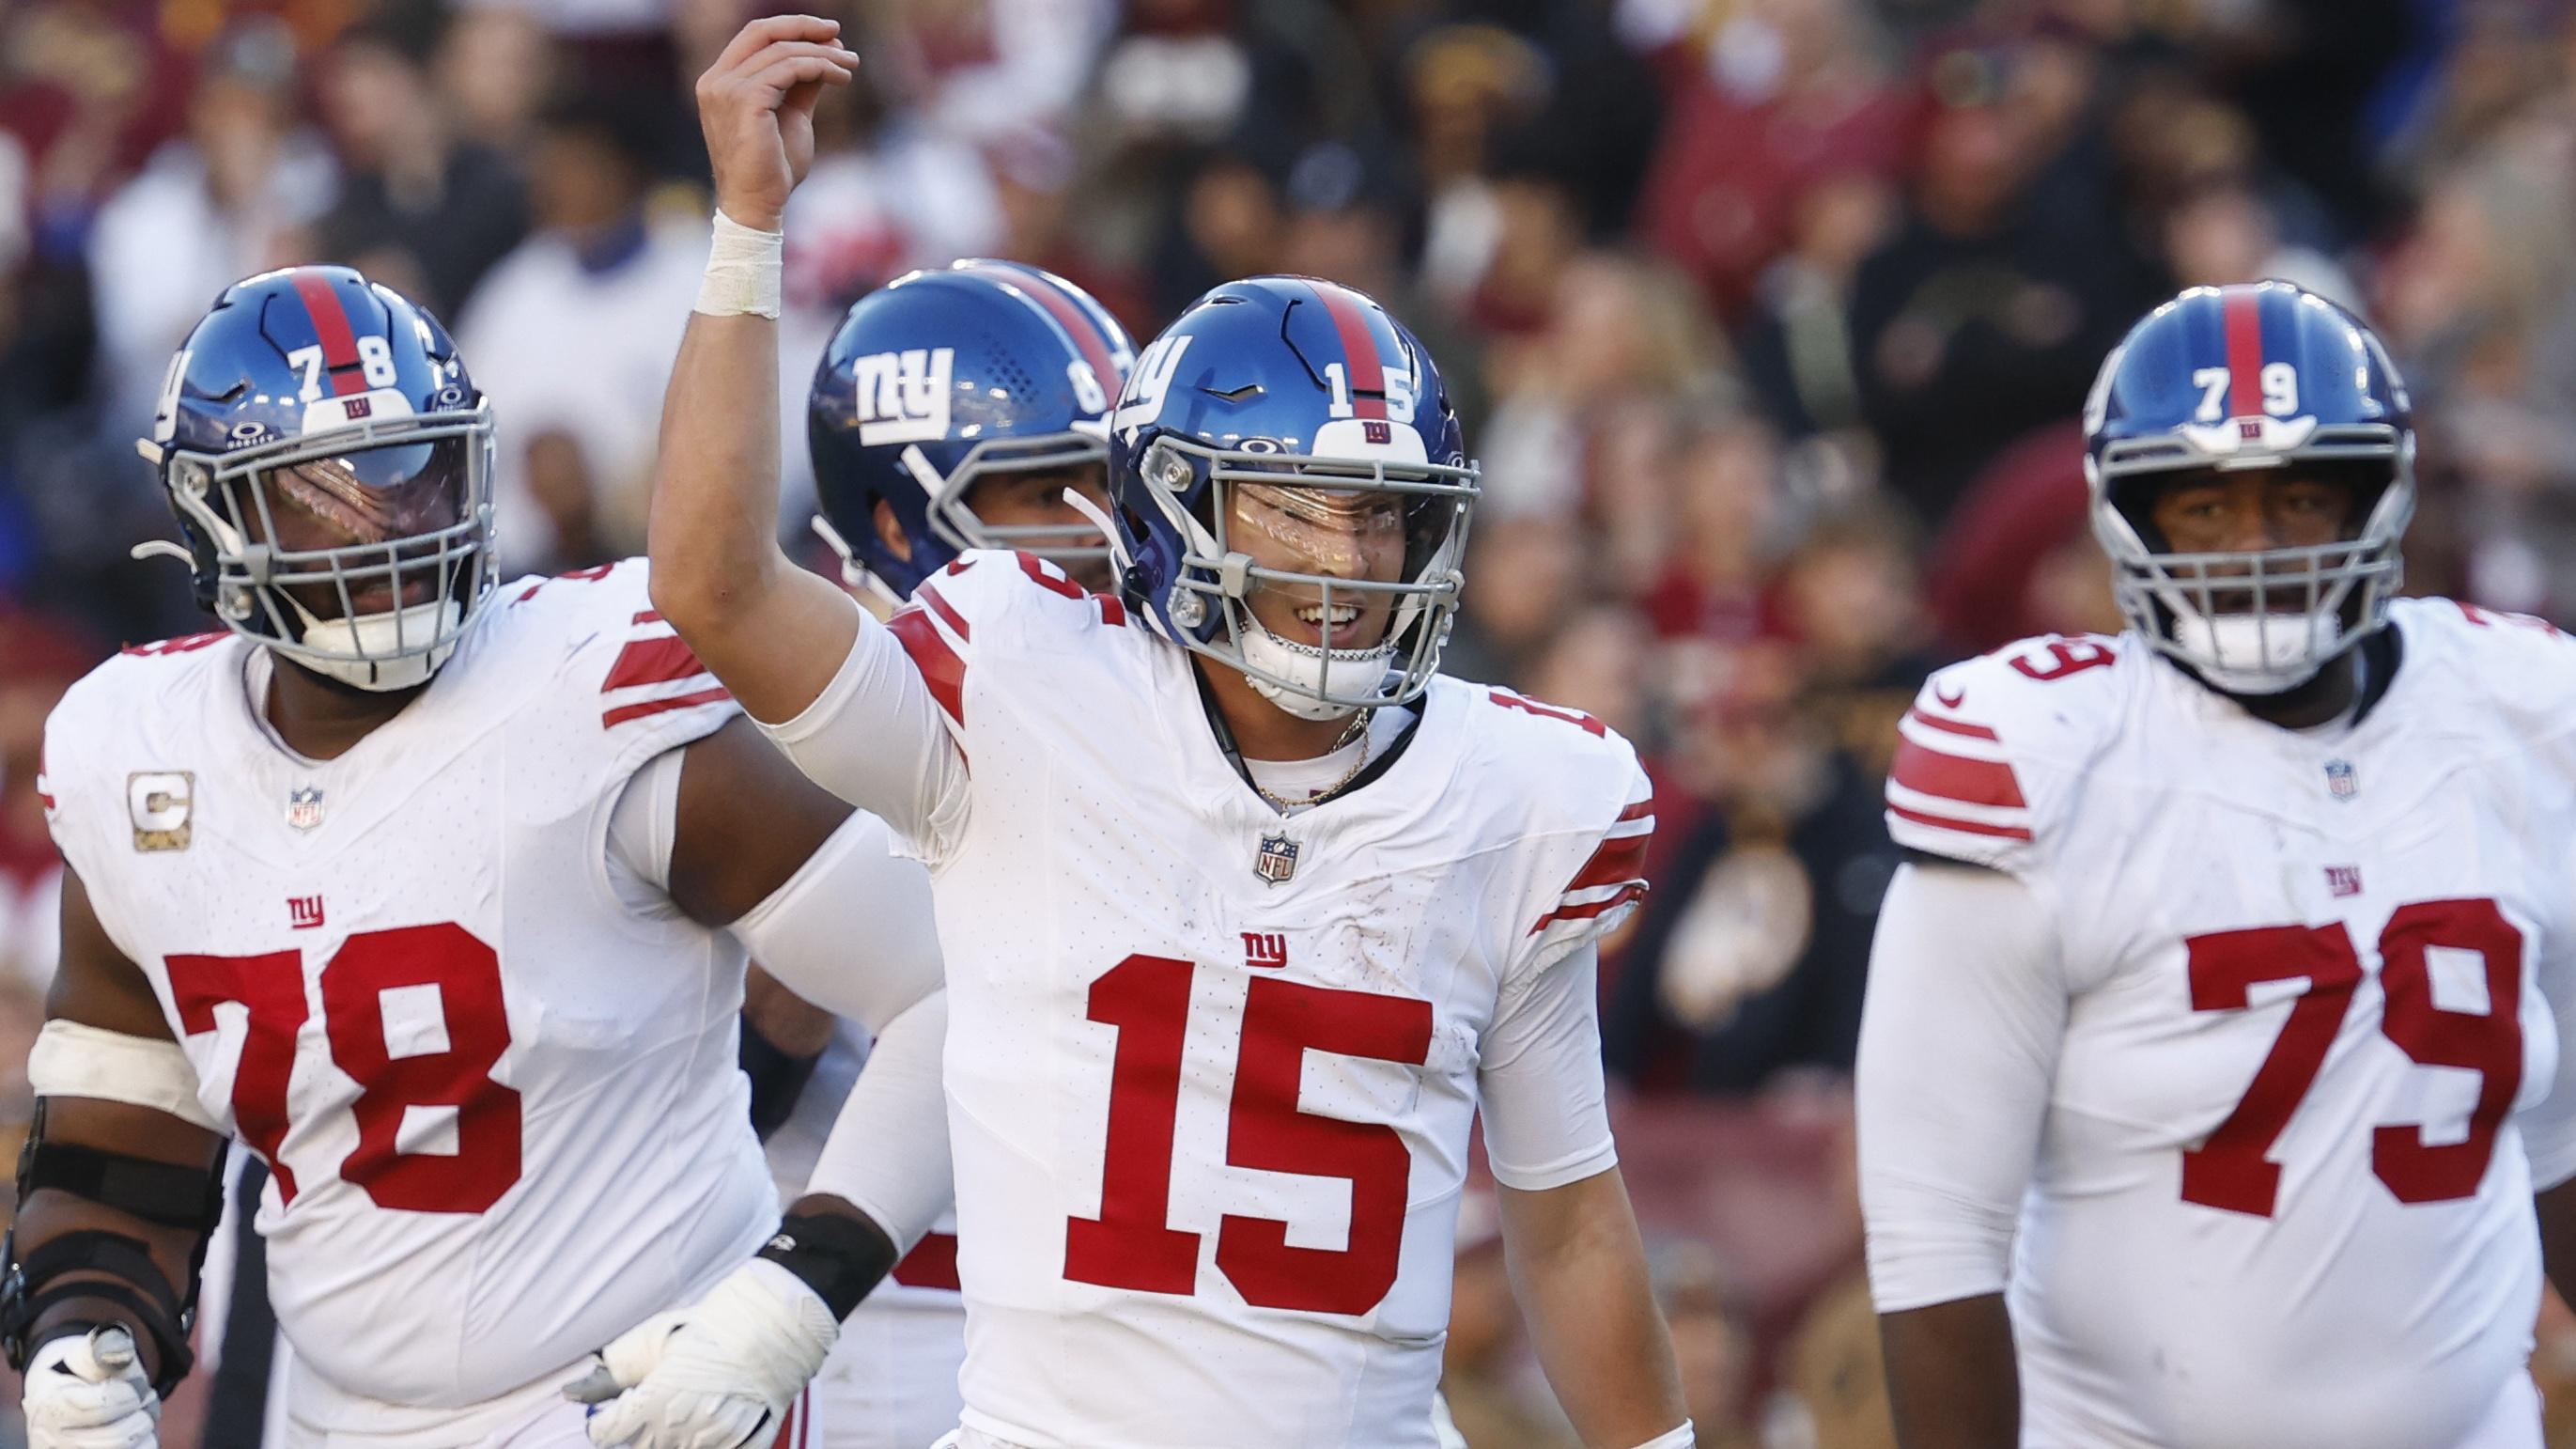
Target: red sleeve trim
[
  {"x": 1956, "y": 727},
  {"x": 652, "y": 661},
  {"x": 1620, "y": 860},
  {"x": 1956, "y": 777},
  {"x": 1623, "y": 858},
  {"x": 1633, "y": 891},
  {"x": 624, "y": 712},
  {"x": 932, "y": 1263},
  {"x": 947, "y": 613},
  {"x": 940, "y": 666},
  {"x": 1966, "y": 827},
  {"x": 184, "y": 644}
]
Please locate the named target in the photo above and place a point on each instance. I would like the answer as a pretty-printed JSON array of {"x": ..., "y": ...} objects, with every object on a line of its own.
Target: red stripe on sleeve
[
  {"x": 1954, "y": 777},
  {"x": 652, "y": 661},
  {"x": 1359, "y": 349},
  {"x": 1956, "y": 727},
  {"x": 940, "y": 667},
  {"x": 624, "y": 712},
  {"x": 947, "y": 613},
  {"x": 1590, "y": 909},
  {"x": 932, "y": 1263},
  {"x": 1618, "y": 859},
  {"x": 1639, "y": 810},
  {"x": 331, "y": 329},
  {"x": 1965, "y": 827},
  {"x": 2244, "y": 313}
]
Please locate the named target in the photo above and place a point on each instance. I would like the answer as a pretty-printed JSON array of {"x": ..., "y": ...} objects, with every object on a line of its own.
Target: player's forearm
[
  {"x": 771, "y": 631},
  {"x": 888, "y": 1154},
  {"x": 1579, "y": 1271},
  {"x": 1951, "y": 1381}
]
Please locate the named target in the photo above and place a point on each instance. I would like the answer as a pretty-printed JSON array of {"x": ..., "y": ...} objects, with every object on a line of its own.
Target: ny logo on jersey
[
  {"x": 1265, "y": 950},
  {"x": 303, "y": 913},
  {"x": 903, "y": 396}
]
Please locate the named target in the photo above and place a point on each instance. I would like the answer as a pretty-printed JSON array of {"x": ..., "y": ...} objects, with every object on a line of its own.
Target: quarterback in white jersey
[
  {"x": 1245, "y": 914},
  {"x": 2213, "y": 1052},
  {"x": 436, "y": 895}
]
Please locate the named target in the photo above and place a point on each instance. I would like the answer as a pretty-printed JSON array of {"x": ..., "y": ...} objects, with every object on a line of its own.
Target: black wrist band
[
  {"x": 841, "y": 1258},
  {"x": 777, "y": 1079}
]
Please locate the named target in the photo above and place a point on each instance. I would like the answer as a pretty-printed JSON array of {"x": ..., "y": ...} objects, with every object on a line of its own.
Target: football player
[
  {"x": 435, "y": 892},
  {"x": 1030, "y": 363},
  {"x": 1246, "y": 913},
  {"x": 952, "y": 411},
  {"x": 2213, "y": 1053}
]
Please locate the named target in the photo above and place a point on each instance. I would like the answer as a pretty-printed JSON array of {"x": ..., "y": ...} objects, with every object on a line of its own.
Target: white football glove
[
  {"x": 715, "y": 1375},
  {"x": 87, "y": 1391}
]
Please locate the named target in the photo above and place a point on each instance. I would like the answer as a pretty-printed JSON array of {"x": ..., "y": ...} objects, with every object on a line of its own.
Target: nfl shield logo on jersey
[
  {"x": 2340, "y": 779},
  {"x": 1277, "y": 860},
  {"x": 304, "y": 807}
]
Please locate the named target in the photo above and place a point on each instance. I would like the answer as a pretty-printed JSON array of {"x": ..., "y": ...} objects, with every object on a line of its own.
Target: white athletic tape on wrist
[
  {"x": 742, "y": 271},
  {"x": 1682, "y": 1438},
  {"x": 74, "y": 1060}
]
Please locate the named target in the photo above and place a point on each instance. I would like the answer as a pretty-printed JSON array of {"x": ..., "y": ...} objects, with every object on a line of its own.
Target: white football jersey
[
  {"x": 2282, "y": 1194},
  {"x": 1211, "y": 1070},
  {"x": 502, "y": 1110}
]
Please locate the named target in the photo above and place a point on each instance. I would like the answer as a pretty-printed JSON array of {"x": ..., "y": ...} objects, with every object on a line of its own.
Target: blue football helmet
[
  {"x": 1282, "y": 413},
  {"x": 940, "y": 379},
  {"x": 319, "y": 440},
  {"x": 2231, "y": 378}
]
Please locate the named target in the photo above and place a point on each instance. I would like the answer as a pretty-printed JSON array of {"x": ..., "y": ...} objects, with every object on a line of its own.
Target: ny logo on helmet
[
  {"x": 903, "y": 396},
  {"x": 1150, "y": 382}
]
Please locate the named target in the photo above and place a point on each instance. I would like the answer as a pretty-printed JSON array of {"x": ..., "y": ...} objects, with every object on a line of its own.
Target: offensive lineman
[
  {"x": 1246, "y": 914},
  {"x": 436, "y": 895},
  {"x": 2214, "y": 1047}
]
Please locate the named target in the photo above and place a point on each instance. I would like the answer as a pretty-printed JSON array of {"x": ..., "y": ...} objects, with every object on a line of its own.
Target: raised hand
[{"x": 756, "y": 106}]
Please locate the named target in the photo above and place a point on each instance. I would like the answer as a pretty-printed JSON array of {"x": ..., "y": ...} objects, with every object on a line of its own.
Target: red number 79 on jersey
[{"x": 2233, "y": 1170}]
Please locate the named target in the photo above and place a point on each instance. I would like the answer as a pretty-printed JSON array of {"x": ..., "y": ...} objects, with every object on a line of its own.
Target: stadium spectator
[
  {"x": 420, "y": 210},
  {"x": 577, "y": 328},
  {"x": 226, "y": 199}
]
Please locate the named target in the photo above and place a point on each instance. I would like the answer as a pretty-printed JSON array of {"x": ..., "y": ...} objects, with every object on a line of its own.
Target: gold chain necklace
[{"x": 1358, "y": 728}]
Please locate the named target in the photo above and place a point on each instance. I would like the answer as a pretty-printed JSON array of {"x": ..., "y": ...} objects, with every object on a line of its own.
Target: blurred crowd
[{"x": 1772, "y": 321}]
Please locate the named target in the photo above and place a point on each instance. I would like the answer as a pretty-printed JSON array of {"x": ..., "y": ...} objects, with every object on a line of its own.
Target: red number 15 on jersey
[{"x": 1132, "y": 1244}]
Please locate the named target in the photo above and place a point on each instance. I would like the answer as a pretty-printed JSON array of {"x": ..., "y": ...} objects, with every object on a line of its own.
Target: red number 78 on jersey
[{"x": 465, "y": 976}]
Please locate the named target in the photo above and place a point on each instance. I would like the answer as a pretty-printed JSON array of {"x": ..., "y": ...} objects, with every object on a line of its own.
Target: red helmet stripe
[
  {"x": 1076, "y": 323},
  {"x": 1359, "y": 349},
  {"x": 331, "y": 329},
  {"x": 2244, "y": 314}
]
